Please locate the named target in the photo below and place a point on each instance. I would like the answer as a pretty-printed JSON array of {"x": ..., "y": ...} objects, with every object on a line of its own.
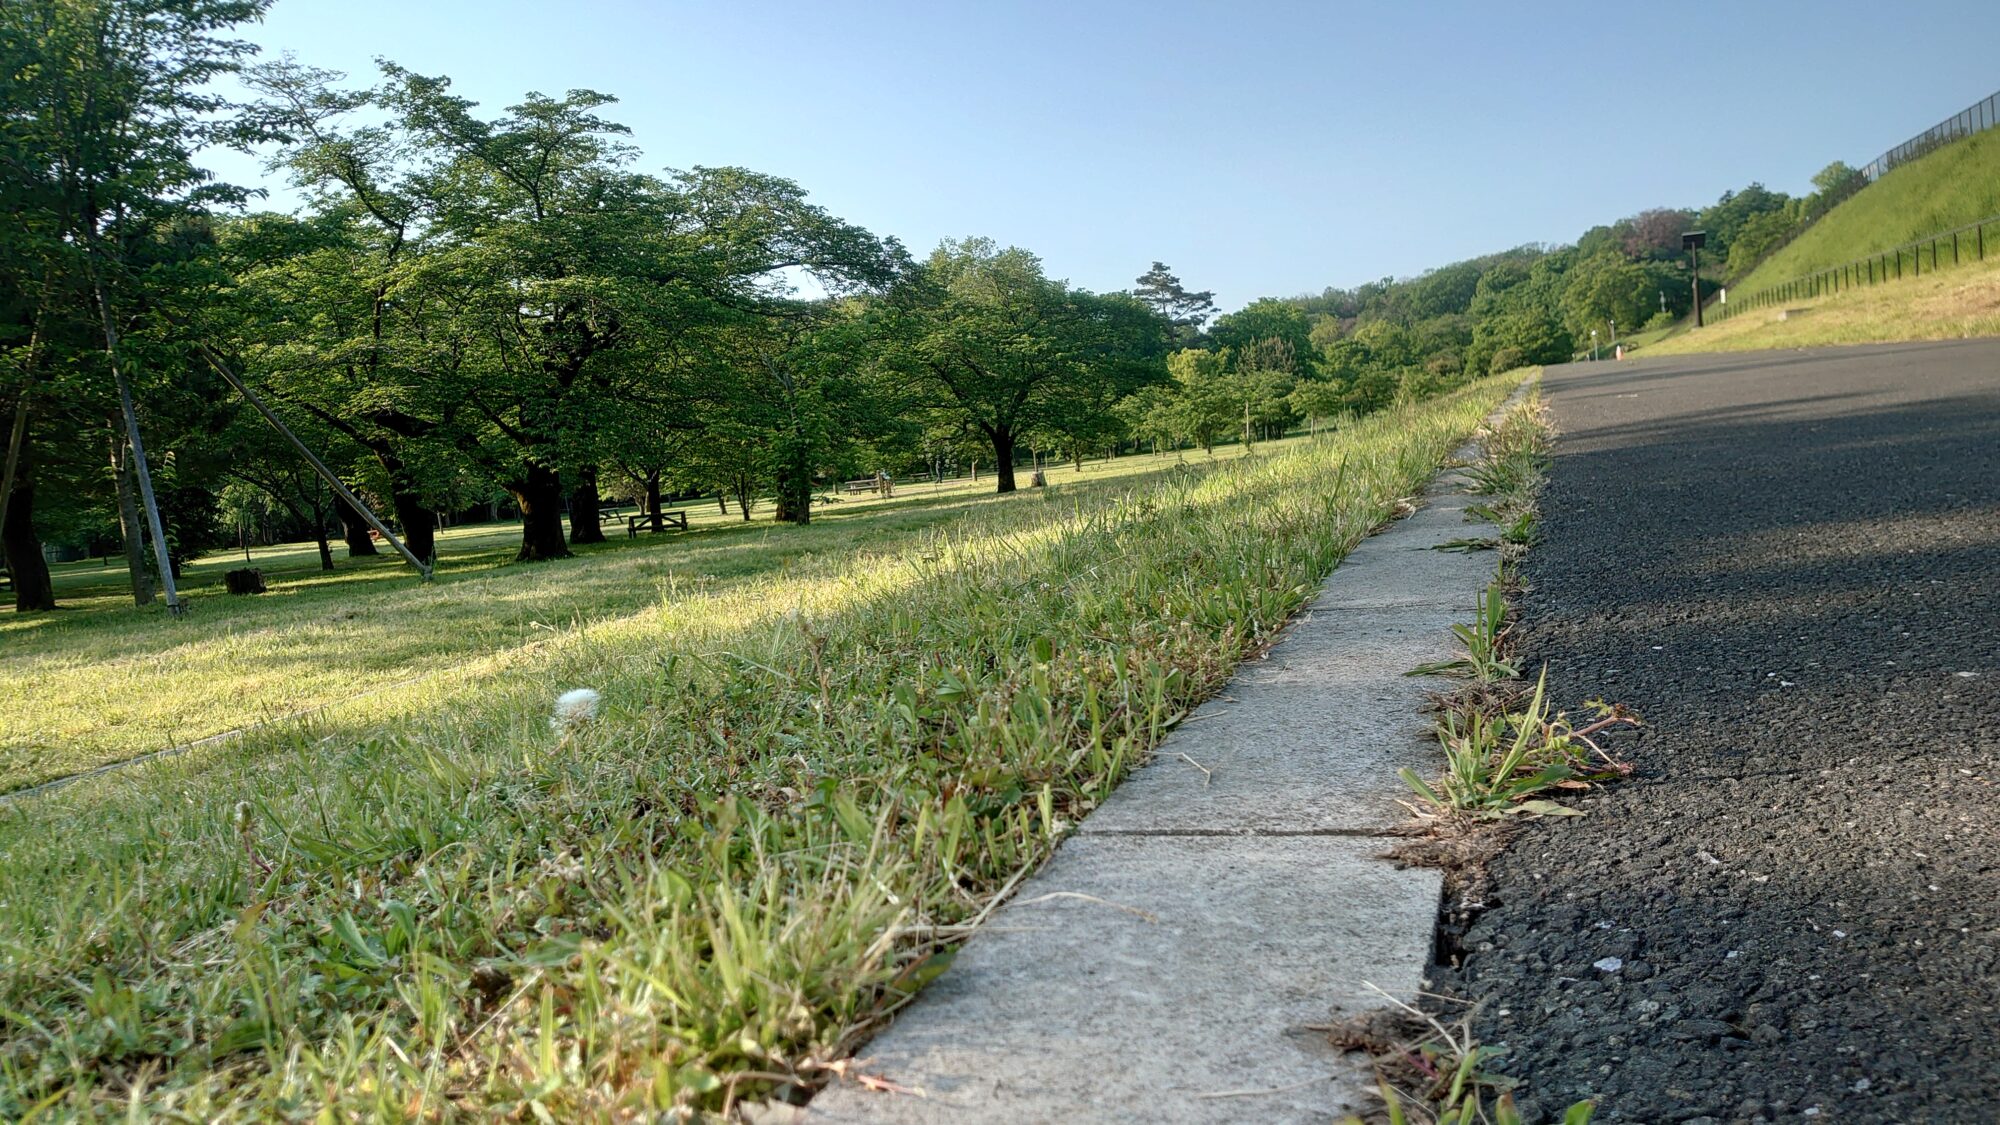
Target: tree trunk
[
  {"x": 583, "y": 504},
  {"x": 792, "y": 508},
  {"x": 743, "y": 497},
  {"x": 419, "y": 525},
  {"x": 653, "y": 499},
  {"x": 539, "y": 493},
  {"x": 1003, "y": 457},
  {"x": 354, "y": 528},
  {"x": 795, "y": 490},
  {"x": 128, "y": 523},
  {"x": 33, "y": 590}
]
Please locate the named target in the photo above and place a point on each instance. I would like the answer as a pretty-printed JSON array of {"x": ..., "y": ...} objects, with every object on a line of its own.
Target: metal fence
[
  {"x": 1978, "y": 118},
  {"x": 1944, "y": 249}
]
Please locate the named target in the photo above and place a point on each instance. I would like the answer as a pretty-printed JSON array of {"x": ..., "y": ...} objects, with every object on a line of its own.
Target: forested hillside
[{"x": 1532, "y": 304}]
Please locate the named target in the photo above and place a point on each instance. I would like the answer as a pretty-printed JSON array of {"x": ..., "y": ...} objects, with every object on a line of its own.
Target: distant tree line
[{"x": 1353, "y": 350}]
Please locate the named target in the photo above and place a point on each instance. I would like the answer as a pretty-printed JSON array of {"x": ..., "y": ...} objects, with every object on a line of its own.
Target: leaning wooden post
[
  {"x": 14, "y": 441},
  {"x": 144, "y": 474},
  {"x": 318, "y": 466}
]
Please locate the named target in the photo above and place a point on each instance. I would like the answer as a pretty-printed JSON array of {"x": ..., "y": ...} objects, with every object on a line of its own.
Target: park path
[
  {"x": 1789, "y": 563},
  {"x": 1180, "y": 957}
]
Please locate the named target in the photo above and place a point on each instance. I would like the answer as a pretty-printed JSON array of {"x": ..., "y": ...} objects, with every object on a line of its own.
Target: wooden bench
[{"x": 670, "y": 517}]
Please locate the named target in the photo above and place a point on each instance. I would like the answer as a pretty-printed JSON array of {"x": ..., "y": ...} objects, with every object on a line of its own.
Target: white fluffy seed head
[{"x": 574, "y": 708}]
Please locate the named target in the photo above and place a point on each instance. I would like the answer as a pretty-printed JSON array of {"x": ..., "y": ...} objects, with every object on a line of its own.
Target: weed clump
[
  {"x": 1501, "y": 754},
  {"x": 1432, "y": 1073},
  {"x": 1498, "y": 760}
]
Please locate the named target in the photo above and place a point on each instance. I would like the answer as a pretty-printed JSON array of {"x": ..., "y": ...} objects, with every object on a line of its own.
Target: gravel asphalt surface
[{"x": 1789, "y": 564}]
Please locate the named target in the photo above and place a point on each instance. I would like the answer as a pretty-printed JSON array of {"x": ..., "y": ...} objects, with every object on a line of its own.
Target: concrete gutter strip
[{"x": 1175, "y": 960}]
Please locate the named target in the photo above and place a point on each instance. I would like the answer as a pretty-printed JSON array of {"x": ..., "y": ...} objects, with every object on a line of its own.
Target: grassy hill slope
[
  {"x": 1954, "y": 304},
  {"x": 1956, "y": 185}
]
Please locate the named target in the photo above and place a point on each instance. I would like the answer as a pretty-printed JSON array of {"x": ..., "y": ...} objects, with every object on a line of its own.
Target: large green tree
[
  {"x": 105, "y": 105},
  {"x": 1605, "y": 293},
  {"x": 1186, "y": 311},
  {"x": 517, "y": 293},
  {"x": 1266, "y": 319},
  {"x": 1207, "y": 401},
  {"x": 985, "y": 336}
]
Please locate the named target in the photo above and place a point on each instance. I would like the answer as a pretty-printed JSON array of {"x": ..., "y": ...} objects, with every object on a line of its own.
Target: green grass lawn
[
  {"x": 1956, "y": 185},
  {"x": 101, "y": 680},
  {"x": 821, "y": 754}
]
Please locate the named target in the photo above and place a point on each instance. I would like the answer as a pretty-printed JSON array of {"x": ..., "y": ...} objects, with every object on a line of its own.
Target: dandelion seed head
[{"x": 574, "y": 708}]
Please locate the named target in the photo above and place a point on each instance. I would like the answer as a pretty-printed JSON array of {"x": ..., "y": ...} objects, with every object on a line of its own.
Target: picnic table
[{"x": 675, "y": 517}]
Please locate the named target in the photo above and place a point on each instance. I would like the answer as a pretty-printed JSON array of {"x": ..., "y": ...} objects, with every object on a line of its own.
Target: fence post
[
  {"x": 1982, "y": 241},
  {"x": 1954, "y": 248}
]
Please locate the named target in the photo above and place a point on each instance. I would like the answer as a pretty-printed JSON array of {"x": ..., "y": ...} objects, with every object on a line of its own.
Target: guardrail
[{"x": 1946, "y": 248}]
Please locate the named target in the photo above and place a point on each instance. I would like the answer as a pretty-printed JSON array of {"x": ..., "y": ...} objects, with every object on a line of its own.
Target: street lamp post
[
  {"x": 1692, "y": 242},
  {"x": 1593, "y": 345}
]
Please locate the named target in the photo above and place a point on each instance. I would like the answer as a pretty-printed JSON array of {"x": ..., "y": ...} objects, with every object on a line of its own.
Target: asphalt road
[{"x": 1789, "y": 563}]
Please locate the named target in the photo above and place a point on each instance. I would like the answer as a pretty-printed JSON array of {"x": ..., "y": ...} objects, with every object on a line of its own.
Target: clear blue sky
[{"x": 1257, "y": 148}]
